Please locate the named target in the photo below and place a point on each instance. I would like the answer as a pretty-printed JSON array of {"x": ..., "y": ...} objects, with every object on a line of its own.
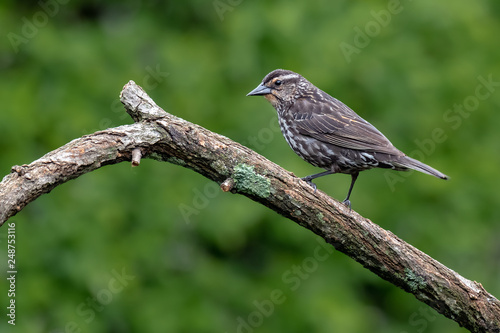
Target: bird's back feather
[{"x": 331, "y": 121}]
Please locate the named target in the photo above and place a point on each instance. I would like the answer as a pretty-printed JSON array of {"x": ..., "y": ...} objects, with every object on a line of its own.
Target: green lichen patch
[
  {"x": 220, "y": 167},
  {"x": 247, "y": 181},
  {"x": 156, "y": 157},
  {"x": 163, "y": 158},
  {"x": 414, "y": 281},
  {"x": 175, "y": 160}
]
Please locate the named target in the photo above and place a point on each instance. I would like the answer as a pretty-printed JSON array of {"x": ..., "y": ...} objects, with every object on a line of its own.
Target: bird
[{"x": 328, "y": 134}]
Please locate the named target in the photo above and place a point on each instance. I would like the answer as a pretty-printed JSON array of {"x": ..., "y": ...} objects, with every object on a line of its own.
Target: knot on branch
[
  {"x": 19, "y": 169},
  {"x": 138, "y": 104}
]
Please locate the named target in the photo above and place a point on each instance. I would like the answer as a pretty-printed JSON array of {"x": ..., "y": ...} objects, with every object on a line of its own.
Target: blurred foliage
[{"x": 234, "y": 265}]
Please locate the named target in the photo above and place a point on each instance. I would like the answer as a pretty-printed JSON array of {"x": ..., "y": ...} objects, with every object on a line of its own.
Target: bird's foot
[
  {"x": 347, "y": 202},
  {"x": 309, "y": 181}
]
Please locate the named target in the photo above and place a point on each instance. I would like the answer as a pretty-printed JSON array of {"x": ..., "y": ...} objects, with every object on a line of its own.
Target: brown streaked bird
[{"x": 327, "y": 133}]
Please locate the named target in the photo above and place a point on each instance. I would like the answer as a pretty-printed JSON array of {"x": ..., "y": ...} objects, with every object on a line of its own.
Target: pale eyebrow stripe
[{"x": 288, "y": 76}]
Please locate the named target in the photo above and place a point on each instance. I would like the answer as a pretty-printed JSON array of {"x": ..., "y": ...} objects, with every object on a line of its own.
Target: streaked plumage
[{"x": 328, "y": 134}]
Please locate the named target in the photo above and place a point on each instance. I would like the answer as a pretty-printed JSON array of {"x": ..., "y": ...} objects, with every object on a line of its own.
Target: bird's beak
[{"x": 260, "y": 90}]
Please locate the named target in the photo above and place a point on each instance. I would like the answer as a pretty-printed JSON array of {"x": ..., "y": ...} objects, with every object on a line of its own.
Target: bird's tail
[{"x": 412, "y": 163}]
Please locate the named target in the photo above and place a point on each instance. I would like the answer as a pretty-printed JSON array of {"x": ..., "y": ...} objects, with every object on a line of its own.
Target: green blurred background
[{"x": 158, "y": 248}]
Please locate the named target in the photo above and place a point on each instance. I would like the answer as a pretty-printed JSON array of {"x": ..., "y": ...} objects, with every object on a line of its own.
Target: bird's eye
[{"x": 278, "y": 82}]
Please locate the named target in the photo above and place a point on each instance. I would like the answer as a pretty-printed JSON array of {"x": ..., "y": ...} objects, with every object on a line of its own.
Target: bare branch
[{"x": 162, "y": 136}]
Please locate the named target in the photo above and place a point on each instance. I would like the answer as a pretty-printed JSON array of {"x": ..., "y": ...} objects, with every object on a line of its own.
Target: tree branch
[{"x": 162, "y": 136}]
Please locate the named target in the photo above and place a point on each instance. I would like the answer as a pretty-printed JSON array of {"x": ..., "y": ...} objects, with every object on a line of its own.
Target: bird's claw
[
  {"x": 309, "y": 181},
  {"x": 347, "y": 202}
]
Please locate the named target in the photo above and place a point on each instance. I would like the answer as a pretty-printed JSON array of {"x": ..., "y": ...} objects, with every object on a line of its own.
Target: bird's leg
[
  {"x": 309, "y": 179},
  {"x": 346, "y": 202}
]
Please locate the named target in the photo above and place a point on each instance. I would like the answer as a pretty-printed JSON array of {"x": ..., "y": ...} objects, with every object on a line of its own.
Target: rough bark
[{"x": 162, "y": 136}]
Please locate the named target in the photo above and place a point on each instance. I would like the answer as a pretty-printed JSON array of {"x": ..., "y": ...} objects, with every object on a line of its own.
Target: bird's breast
[{"x": 308, "y": 148}]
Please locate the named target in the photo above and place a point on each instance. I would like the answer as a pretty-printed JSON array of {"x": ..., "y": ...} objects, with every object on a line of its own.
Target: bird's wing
[{"x": 329, "y": 120}]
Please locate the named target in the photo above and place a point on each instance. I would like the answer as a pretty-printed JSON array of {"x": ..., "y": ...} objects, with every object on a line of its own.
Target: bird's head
[{"x": 280, "y": 86}]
